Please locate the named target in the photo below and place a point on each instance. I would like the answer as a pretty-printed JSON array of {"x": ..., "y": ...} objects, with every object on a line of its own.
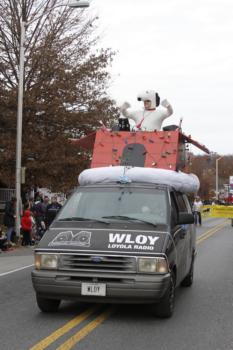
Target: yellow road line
[
  {"x": 86, "y": 330},
  {"x": 66, "y": 328},
  {"x": 210, "y": 232}
]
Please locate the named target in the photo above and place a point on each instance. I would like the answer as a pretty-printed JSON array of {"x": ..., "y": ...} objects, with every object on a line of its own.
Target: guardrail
[{"x": 5, "y": 195}]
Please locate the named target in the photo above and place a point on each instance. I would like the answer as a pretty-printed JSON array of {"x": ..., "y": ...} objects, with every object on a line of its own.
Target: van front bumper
[{"x": 127, "y": 288}]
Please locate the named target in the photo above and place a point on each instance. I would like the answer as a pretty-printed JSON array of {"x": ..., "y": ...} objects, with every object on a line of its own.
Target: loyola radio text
[{"x": 128, "y": 241}]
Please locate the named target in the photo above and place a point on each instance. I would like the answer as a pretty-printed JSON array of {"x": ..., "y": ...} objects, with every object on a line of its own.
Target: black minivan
[{"x": 117, "y": 242}]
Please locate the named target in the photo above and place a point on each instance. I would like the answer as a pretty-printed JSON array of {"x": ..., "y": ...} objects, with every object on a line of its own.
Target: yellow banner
[{"x": 217, "y": 211}]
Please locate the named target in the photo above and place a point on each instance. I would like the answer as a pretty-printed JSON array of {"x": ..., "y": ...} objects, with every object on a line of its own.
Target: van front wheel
[
  {"x": 47, "y": 305},
  {"x": 165, "y": 308},
  {"x": 188, "y": 280}
]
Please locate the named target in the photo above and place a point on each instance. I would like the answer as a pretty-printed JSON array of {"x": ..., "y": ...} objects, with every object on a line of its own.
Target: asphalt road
[{"x": 203, "y": 317}]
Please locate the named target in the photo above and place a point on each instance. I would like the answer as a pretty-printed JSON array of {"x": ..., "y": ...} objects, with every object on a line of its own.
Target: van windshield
[{"x": 116, "y": 204}]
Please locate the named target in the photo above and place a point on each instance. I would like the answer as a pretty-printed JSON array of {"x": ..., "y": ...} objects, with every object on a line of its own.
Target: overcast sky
[{"x": 183, "y": 49}]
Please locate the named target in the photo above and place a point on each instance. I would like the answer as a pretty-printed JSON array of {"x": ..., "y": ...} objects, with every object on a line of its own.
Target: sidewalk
[{"x": 18, "y": 251}]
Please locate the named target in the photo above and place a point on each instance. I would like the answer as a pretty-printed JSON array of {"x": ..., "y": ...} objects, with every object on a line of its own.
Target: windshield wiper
[
  {"x": 77, "y": 218},
  {"x": 124, "y": 217}
]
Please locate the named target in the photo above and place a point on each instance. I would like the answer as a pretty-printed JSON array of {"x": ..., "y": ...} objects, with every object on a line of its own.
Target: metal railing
[{"x": 5, "y": 195}]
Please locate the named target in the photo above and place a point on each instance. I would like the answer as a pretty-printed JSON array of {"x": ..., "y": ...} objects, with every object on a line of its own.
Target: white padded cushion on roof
[{"x": 182, "y": 182}]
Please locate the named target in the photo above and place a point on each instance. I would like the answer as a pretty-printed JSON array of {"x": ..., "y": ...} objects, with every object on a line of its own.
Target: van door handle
[{"x": 182, "y": 234}]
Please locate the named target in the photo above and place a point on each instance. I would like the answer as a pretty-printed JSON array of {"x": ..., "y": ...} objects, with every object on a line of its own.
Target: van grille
[{"x": 103, "y": 263}]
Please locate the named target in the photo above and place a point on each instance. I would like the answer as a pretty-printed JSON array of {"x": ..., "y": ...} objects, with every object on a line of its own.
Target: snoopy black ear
[{"x": 157, "y": 99}]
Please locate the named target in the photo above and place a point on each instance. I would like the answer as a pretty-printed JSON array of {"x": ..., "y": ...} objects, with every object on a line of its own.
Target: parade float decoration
[{"x": 162, "y": 153}]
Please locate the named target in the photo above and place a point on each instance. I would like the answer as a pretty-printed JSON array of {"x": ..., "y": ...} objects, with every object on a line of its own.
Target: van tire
[
  {"x": 165, "y": 308},
  {"x": 47, "y": 305},
  {"x": 188, "y": 280}
]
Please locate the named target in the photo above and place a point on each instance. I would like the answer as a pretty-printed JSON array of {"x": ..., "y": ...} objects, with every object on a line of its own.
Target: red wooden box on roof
[
  {"x": 149, "y": 149},
  {"x": 153, "y": 149}
]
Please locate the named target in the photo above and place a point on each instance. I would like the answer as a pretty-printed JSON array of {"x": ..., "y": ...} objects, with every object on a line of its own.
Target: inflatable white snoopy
[{"x": 151, "y": 117}]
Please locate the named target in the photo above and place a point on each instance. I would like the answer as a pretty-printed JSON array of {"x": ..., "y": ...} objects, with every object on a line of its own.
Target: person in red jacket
[{"x": 26, "y": 224}]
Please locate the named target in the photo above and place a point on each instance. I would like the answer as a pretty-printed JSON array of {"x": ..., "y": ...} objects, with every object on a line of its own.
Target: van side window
[
  {"x": 174, "y": 210},
  {"x": 181, "y": 202},
  {"x": 187, "y": 202}
]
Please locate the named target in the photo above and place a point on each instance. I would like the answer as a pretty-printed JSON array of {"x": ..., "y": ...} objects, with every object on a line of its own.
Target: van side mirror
[{"x": 185, "y": 218}]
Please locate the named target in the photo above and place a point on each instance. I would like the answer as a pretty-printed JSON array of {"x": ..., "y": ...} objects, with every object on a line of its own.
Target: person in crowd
[
  {"x": 197, "y": 205},
  {"x": 39, "y": 212},
  {"x": 28, "y": 206},
  {"x": 38, "y": 196},
  {"x": 26, "y": 225},
  {"x": 9, "y": 218},
  {"x": 3, "y": 241},
  {"x": 51, "y": 211}
]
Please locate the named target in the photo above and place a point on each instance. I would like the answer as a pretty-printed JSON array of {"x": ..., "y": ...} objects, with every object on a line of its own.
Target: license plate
[{"x": 98, "y": 289}]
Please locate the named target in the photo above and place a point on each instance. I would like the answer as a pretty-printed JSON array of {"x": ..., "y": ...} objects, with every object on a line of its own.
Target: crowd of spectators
[{"x": 37, "y": 214}]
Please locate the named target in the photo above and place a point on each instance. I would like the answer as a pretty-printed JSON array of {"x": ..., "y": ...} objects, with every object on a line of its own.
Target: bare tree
[
  {"x": 204, "y": 166},
  {"x": 64, "y": 87}
]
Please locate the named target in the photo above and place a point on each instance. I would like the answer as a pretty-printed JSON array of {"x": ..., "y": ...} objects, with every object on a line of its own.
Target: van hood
[{"x": 103, "y": 240}]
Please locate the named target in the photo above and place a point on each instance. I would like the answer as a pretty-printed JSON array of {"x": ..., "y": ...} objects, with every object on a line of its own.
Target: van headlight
[
  {"x": 152, "y": 265},
  {"x": 46, "y": 261}
]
